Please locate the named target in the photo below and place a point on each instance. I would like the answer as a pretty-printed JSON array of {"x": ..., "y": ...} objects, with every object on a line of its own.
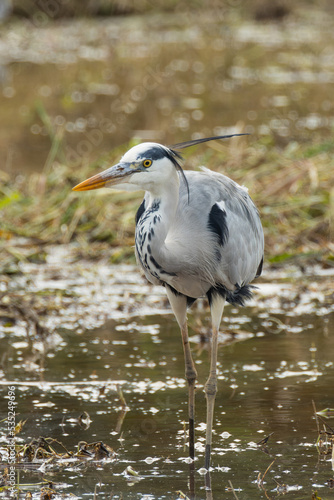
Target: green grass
[{"x": 293, "y": 191}]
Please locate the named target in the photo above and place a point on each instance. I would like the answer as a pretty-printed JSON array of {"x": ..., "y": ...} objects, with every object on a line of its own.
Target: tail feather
[
  {"x": 237, "y": 298},
  {"x": 240, "y": 296}
]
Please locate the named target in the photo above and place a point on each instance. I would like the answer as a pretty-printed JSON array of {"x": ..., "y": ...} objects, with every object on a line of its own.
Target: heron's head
[
  {"x": 142, "y": 167},
  {"x": 145, "y": 166}
]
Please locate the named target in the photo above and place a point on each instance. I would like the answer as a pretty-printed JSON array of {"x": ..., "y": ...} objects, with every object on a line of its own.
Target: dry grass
[{"x": 292, "y": 187}]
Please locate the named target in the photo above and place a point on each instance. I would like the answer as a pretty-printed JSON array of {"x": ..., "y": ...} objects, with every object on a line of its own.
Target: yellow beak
[
  {"x": 95, "y": 182},
  {"x": 112, "y": 175}
]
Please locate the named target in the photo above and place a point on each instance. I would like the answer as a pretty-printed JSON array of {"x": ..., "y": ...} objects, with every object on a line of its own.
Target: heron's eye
[{"x": 147, "y": 163}]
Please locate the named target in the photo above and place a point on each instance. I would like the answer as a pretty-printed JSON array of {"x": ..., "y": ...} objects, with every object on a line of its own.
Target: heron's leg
[
  {"x": 179, "y": 305},
  {"x": 217, "y": 306}
]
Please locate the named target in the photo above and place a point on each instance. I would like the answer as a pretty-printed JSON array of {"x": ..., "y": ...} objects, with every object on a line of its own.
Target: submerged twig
[
  {"x": 315, "y": 415},
  {"x": 123, "y": 411},
  {"x": 233, "y": 490},
  {"x": 121, "y": 396},
  {"x": 260, "y": 477}
]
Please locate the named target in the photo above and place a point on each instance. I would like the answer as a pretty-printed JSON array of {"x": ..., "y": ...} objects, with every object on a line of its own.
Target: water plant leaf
[{"x": 326, "y": 413}]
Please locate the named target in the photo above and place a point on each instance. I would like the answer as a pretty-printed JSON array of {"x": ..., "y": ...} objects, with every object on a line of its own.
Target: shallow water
[
  {"x": 97, "y": 83},
  {"x": 270, "y": 370}
]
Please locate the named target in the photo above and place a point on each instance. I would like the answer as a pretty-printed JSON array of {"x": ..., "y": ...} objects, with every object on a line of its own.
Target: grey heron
[{"x": 198, "y": 233}]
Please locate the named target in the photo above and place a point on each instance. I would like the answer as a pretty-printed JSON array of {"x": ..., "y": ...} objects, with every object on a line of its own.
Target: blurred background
[
  {"x": 79, "y": 79},
  {"x": 80, "y": 83}
]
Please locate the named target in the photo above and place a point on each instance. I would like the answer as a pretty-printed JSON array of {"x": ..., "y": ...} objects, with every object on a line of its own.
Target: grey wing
[
  {"x": 242, "y": 243},
  {"x": 235, "y": 221},
  {"x": 216, "y": 238},
  {"x": 241, "y": 249}
]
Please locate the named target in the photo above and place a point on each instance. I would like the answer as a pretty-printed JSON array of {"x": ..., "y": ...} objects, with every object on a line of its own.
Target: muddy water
[
  {"x": 272, "y": 364},
  {"x": 94, "y": 84}
]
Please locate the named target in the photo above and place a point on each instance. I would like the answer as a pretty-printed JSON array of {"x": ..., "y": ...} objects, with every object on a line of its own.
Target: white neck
[
  {"x": 168, "y": 195},
  {"x": 153, "y": 227}
]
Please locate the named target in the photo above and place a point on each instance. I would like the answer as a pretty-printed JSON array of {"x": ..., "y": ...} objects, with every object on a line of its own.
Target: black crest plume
[
  {"x": 174, "y": 156},
  {"x": 182, "y": 145}
]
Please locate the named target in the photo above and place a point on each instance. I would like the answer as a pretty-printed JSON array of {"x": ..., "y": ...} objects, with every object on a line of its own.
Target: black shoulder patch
[
  {"x": 140, "y": 211},
  {"x": 217, "y": 223}
]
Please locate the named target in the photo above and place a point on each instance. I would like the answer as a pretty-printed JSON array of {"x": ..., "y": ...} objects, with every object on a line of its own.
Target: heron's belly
[
  {"x": 191, "y": 286},
  {"x": 154, "y": 272}
]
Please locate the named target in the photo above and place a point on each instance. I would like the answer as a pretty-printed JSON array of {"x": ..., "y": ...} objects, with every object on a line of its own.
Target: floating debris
[{"x": 265, "y": 440}]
